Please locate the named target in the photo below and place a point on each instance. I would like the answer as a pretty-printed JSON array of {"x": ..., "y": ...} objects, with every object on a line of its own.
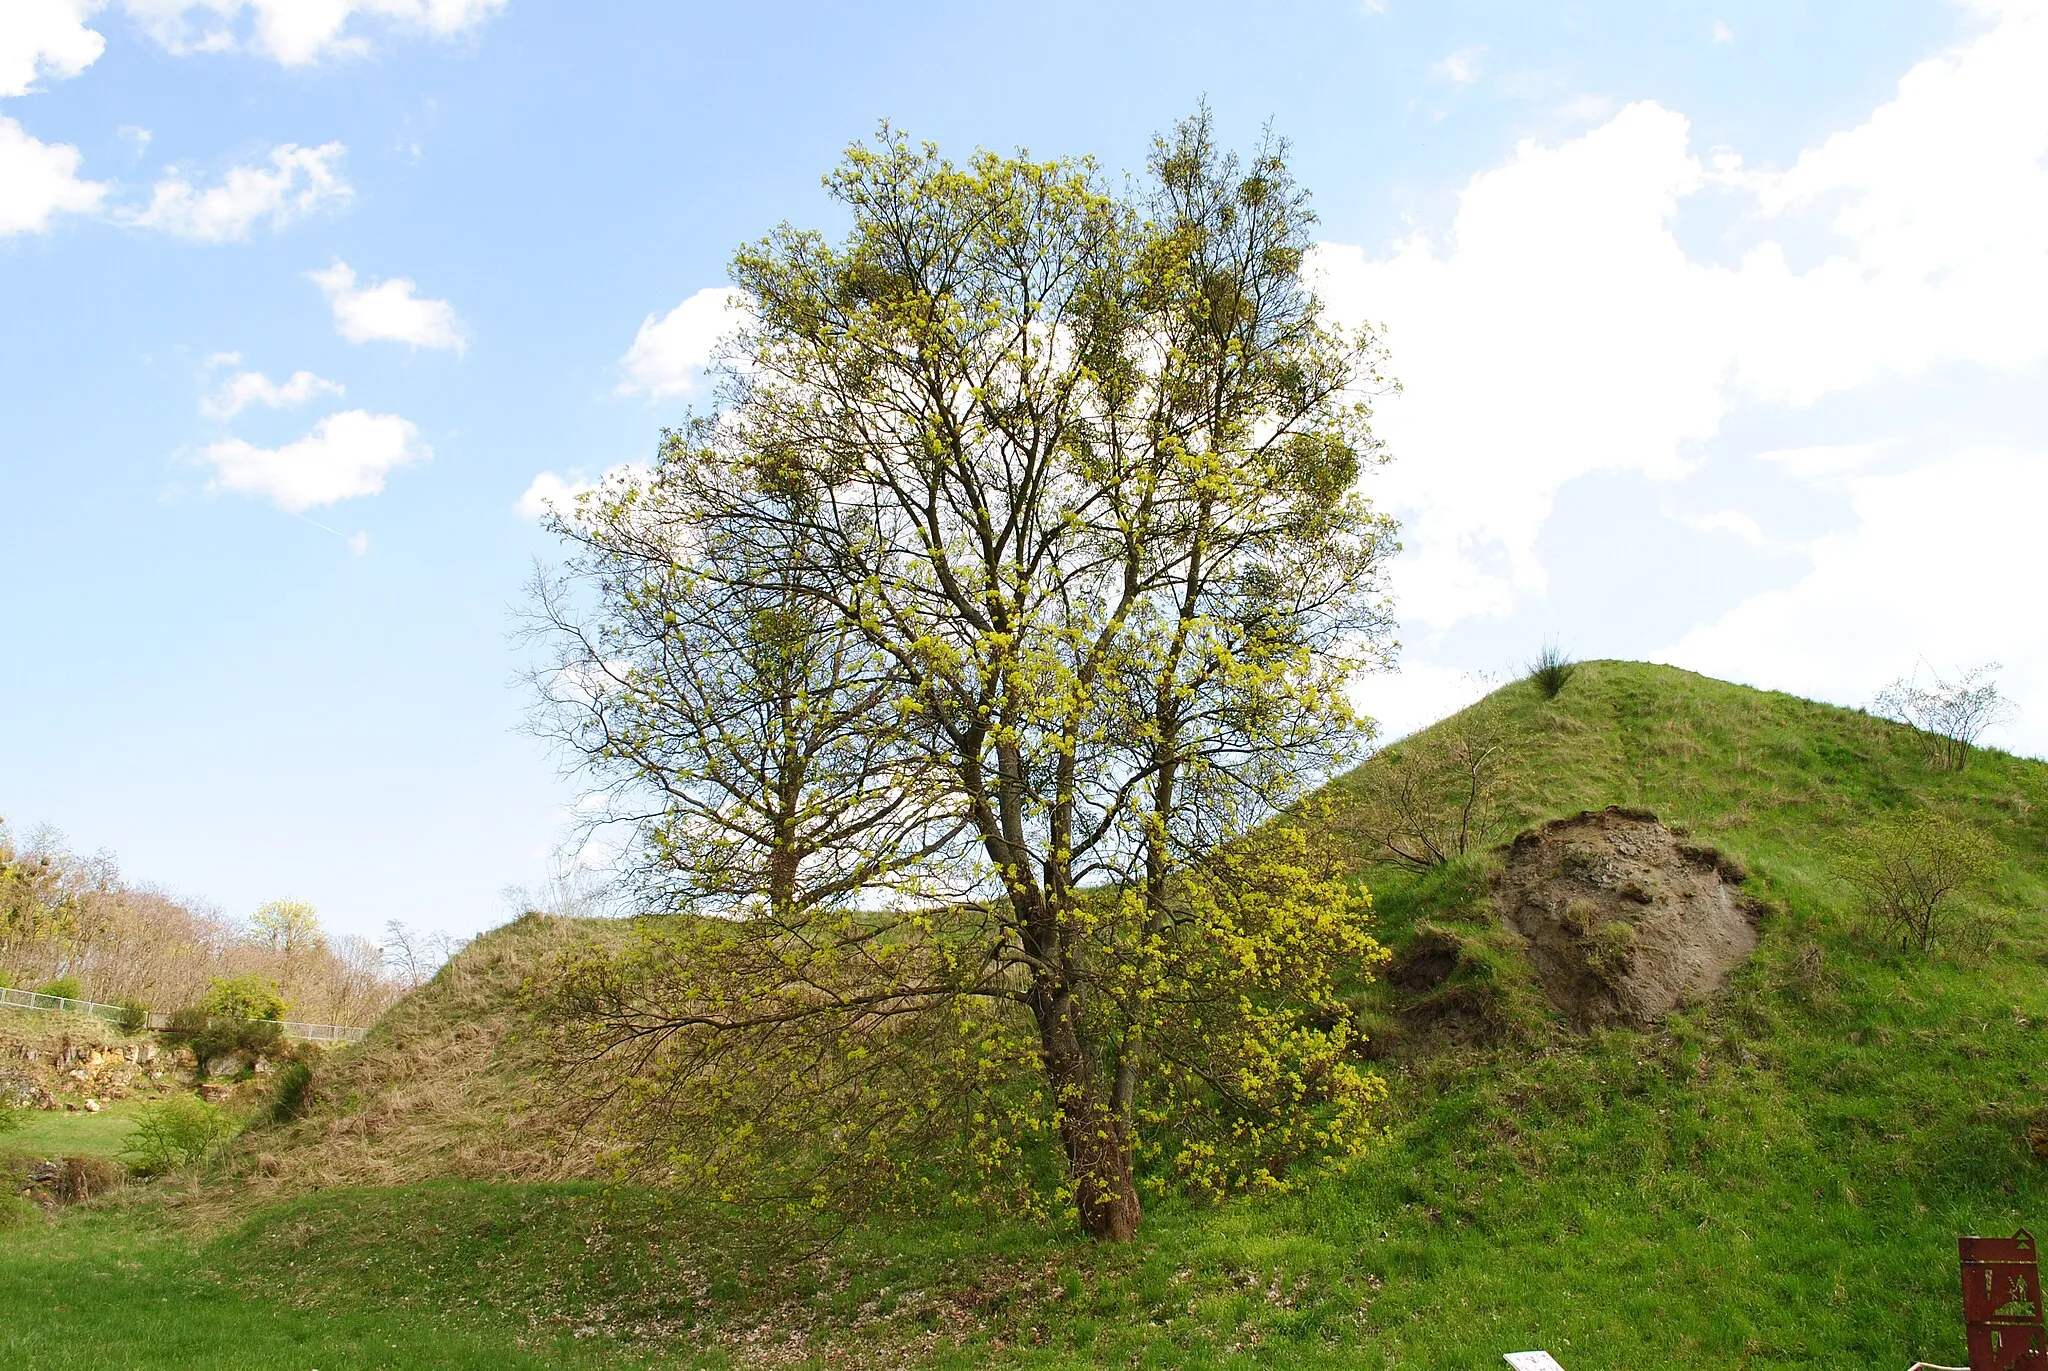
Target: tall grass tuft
[{"x": 1551, "y": 670}]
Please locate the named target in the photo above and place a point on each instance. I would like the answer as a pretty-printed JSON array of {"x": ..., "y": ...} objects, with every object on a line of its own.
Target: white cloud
[
  {"x": 670, "y": 352},
  {"x": 387, "y": 311},
  {"x": 1731, "y": 521},
  {"x": 1461, "y": 67},
  {"x": 359, "y": 542},
  {"x": 247, "y": 388},
  {"x": 345, "y": 456},
  {"x": 549, "y": 492},
  {"x": 297, "y": 32},
  {"x": 297, "y": 182},
  {"x": 39, "y": 181},
  {"x": 1819, "y": 464},
  {"x": 1906, "y": 581},
  {"x": 1537, "y": 347},
  {"x": 1722, "y": 33},
  {"x": 1417, "y": 695},
  {"x": 1559, "y": 329},
  {"x": 46, "y": 38}
]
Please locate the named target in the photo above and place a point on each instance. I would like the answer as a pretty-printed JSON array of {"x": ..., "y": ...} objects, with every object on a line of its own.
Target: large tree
[{"x": 962, "y": 664}]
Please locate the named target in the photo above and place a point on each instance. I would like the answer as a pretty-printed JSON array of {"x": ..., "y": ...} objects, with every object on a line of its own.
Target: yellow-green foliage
[
  {"x": 248, "y": 996},
  {"x": 1028, "y": 574}
]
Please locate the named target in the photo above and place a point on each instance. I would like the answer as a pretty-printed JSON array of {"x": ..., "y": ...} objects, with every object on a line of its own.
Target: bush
[
  {"x": 248, "y": 996},
  {"x": 1552, "y": 671},
  {"x": 185, "y": 1025},
  {"x": 1911, "y": 873},
  {"x": 64, "y": 986},
  {"x": 178, "y": 1132},
  {"x": 1435, "y": 797},
  {"x": 134, "y": 1017},
  {"x": 212, "y": 1038},
  {"x": 10, "y": 1118},
  {"x": 7, "y": 981}
]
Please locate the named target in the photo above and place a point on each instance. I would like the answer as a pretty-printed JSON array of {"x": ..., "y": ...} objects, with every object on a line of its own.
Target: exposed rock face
[{"x": 1624, "y": 920}]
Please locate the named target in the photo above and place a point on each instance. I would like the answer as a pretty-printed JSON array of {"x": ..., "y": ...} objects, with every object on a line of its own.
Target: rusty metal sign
[{"x": 2002, "y": 1304}]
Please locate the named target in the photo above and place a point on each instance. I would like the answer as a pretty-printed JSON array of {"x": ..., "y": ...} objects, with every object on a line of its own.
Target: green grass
[
  {"x": 119, "y": 1288},
  {"x": 1773, "y": 1180},
  {"x": 65, "y": 1133}
]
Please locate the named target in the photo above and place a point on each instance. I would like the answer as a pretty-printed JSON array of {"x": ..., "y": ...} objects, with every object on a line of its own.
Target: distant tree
[
  {"x": 415, "y": 954},
  {"x": 35, "y": 906},
  {"x": 1432, "y": 798},
  {"x": 1955, "y": 714},
  {"x": 287, "y": 927},
  {"x": 405, "y": 953},
  {"x": 958, "y": 663},
  {"x": 1911, "y": 874}
]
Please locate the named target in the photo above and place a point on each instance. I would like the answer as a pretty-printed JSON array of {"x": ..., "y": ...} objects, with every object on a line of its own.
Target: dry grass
[{"x": 449, "y": 1085}]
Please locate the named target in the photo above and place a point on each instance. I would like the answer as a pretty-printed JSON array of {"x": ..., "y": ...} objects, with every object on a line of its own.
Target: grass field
[
  {"x": 1774, "y": 1180},
  {"x": 65, "y": 1133}
]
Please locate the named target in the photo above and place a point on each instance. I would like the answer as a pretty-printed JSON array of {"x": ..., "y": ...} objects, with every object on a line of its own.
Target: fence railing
[{"x": 121, "y": 1014}]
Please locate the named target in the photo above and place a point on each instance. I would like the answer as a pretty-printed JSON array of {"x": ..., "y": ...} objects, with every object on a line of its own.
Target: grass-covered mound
[
  {"x": 447, "y": 1085},
  {"x": 1774, "y": 1177}
]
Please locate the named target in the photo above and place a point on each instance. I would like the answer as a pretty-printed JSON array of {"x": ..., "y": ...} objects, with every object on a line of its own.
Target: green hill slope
[{"x": 1773, "y": 1178}]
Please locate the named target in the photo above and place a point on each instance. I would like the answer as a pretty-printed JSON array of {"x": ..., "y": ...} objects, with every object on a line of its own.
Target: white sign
[{"x": 1533, "y": 1361}]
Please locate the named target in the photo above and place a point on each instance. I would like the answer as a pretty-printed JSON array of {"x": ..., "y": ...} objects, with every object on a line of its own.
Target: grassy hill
[{"x": 1772, "y": 1179}]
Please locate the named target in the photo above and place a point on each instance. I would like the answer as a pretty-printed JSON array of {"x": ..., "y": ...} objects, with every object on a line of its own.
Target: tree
[
  {"x": 1434, "y": 797},
  {"x": 1910, "y": 872},
  {"x": 34, "y": 905},
  {"x": 287, "y": 927},
  {"x": 1954, "y": 714},
  {"x": 957, "y": 663}
]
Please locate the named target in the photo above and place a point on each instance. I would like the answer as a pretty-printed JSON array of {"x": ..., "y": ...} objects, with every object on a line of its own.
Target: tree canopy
[{"x": 954, "y": 675}]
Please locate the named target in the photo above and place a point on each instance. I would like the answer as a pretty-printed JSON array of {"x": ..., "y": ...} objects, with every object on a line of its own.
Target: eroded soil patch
[{"x": 1624, "y": 920}]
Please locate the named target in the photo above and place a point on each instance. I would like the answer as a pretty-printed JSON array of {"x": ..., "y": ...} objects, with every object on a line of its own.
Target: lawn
[{"x": 69, "y": 1133}]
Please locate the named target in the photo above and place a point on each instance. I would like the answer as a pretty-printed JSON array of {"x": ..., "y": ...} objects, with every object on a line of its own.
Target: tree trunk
[{"x": 1097, "y": 1138}]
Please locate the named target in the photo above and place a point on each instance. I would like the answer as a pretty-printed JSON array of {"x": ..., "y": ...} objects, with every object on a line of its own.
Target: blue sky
[{"x": 1722, "y": 327}]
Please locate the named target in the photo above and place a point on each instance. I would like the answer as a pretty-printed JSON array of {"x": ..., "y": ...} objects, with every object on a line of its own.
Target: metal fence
[{"x": 121, "y": 1014}]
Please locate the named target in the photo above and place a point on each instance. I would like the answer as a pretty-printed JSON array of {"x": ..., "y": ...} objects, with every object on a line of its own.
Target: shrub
[
  {"x": 7, "y": 981},
  {"x": 1911, "y": 872},
  {"x": 247, "y": 996},
  {"x": 1435, "y": 797},
  {"x": 1552, "y": 671},
  {"x": 185, "y": 1025},
  {"x": 10, "y": 1118},
  {"x": 65, "y": 986},
  {"x": 212, "y": 1038},
  {"x": 134, "y": 1017},
  {"x": 178, "y": 1132},
  {"x": 1953, "y": 714}
]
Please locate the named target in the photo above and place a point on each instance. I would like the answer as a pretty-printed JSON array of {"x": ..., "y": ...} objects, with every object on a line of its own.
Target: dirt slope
[{"x": 1624, "y": 920}]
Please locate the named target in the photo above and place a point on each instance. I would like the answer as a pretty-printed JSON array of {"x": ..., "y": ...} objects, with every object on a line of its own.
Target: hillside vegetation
[{"x": 1773, "y": 1178}]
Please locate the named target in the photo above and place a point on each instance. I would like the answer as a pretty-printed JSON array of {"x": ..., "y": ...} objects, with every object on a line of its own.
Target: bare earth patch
[{"x": 1623, "y": 919}]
